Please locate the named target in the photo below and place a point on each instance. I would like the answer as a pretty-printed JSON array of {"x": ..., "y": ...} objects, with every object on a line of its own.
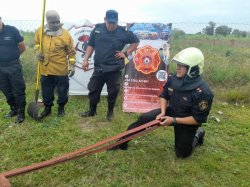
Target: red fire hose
[{"x": 95, "y": 148}]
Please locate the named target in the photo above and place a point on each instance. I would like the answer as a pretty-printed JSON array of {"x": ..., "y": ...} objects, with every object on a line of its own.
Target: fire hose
[{"x": 92, "y": 149}]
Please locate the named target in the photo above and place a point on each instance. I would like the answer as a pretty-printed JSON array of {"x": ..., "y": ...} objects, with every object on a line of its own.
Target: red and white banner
[{"x": 146, "y": 72}]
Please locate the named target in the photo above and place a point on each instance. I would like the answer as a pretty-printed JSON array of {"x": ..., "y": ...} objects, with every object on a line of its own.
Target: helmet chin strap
[{"x": 193, "y": 72}]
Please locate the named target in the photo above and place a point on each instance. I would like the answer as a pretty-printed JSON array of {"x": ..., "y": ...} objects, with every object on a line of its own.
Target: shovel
[{"x": 34, "y": 106}]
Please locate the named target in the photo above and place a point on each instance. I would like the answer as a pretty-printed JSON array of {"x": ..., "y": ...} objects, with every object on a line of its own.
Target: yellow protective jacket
[{"x": 58, "y": 51}]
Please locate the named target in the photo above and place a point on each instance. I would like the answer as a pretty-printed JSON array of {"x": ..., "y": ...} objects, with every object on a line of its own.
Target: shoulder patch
[{"x": 203, "y": 105}]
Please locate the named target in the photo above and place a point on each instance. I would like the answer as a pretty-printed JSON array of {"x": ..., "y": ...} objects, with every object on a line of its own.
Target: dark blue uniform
[
  {"x": 11, "y": 76},
  {"x": 107, "y": 69},
  {"x": 195, "y": 102}
]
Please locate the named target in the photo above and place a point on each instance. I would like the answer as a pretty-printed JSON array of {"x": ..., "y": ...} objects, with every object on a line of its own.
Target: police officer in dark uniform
[
  {"x": 185, "y": 103},
  {"x": 108, "y": 40},
  {"x": 11, "y": 76}
]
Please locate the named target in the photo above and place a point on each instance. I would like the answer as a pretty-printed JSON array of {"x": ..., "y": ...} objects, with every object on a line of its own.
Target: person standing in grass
[
  {"x": 185, "y": 103},
  {"x": 107, "y": 40},
  {"x": 12, "y": 83},
  {"x": 57, "y": 58}
]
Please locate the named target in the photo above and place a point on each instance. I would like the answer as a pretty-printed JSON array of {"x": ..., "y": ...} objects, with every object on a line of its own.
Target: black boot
[
  {"x": 20, "y": 115},
  {"x": 12, "y": 113},
  {"x": 46, "y": 112},
  {"x": 61, "y": 111},
  {"x": 199, "y": 137},
  {"x": 90, "y": 112},
  {"x": 110, "y": 114}
]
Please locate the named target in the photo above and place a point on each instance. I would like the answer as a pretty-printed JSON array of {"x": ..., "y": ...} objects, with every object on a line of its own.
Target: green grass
[{"x": 150, "y": 161}]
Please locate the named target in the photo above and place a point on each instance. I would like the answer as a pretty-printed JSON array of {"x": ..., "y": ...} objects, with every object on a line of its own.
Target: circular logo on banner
[
  {"x": 80, "y": 35},
  {"x": 147, "y": 59}
]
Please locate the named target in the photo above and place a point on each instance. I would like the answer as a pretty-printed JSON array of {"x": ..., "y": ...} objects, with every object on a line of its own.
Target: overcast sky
[{"x": 219, "y": 11}]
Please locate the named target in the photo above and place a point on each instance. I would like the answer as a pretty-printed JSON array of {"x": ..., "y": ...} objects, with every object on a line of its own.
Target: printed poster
[{"x": 147, "y": 69}]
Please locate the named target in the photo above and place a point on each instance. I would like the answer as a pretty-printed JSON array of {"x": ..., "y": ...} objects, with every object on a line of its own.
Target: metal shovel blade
[{"x": 33, "y": 109}]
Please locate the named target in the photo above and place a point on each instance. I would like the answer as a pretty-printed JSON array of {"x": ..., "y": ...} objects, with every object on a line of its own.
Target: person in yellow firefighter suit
[{"x": 57, "y": 59}]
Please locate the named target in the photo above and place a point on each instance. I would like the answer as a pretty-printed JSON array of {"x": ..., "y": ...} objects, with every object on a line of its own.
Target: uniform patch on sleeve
[{"x": 203, "y": 105}]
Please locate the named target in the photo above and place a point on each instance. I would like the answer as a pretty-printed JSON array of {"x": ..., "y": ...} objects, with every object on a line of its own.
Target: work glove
[
  {"x": 71, "y": 70},
  {"x": 40, "y": 57}
]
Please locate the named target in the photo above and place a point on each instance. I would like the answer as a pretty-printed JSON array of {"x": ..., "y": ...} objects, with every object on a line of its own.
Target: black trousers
[
  {"x": 96, "y": 83},
  {"x": 51, "y": 83},
  {"x": 184, "y": 134},
  {"x": 12, "y": 84}
]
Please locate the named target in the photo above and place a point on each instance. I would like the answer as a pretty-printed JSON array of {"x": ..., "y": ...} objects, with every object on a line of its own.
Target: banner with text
[{"x": 146, "y": 71}]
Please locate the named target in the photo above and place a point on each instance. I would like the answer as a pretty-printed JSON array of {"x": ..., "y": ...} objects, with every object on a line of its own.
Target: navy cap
[{"x": 112, "y": 16}]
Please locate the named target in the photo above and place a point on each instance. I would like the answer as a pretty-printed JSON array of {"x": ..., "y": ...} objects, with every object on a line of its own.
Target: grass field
[{"x": 223, "y": 160}]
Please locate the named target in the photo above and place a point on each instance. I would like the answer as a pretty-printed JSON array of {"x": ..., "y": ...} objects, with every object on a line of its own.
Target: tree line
[
  {"x": 213, "y": 30},
  {"x": 223, "y": 30}
]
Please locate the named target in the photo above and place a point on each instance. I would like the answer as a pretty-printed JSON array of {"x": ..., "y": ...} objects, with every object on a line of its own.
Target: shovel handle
[
  {"x": 40, "y": 50},
  {"x": 36, "y": 95}
]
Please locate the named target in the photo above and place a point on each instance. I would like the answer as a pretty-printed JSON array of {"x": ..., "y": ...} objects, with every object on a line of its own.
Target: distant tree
[
  {"x": 223, "y": 30},
  {"x": 209, "y": 30},
  {"x": 236, "y": 32},
  {"x": 176, "y": 33},
  {"x": 244, "y": 34},
  {"x": 239, "y": 33}
]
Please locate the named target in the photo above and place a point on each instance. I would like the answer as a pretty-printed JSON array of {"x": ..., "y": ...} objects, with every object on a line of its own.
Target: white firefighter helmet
[{"x": 193, "y": 58}]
